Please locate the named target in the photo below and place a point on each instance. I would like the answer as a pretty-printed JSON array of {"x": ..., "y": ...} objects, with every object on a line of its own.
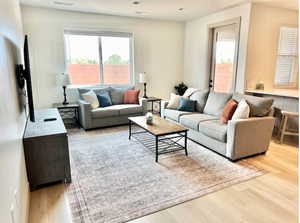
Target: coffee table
[{"x": 166, "y": 135}]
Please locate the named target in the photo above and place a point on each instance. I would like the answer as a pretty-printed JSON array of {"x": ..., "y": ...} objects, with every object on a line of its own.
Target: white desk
[
  {"x": 276, "y": 92},
  {"x": 284, "y": 99}
]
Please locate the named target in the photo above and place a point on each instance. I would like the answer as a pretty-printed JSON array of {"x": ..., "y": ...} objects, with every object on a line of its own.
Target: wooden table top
[
  {"x": 159, "y": 126},
  {"x": 153, "y": 99},
  {"x": 70, "y": 105}
]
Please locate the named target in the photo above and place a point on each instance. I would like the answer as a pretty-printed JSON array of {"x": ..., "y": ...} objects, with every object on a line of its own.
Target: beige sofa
[{"x": 235, "y": 140}]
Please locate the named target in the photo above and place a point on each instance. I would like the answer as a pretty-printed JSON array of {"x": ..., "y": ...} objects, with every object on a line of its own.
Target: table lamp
[
  {"x": 144, "y": 81},
  {"x": 63, "y": 80}
]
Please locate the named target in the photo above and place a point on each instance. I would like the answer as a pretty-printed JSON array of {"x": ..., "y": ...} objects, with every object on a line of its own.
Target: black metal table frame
[
  {"x": 177, "y": 135},
  {"x": 75, "y": 110},
  {"x": 152, "y": 106}
]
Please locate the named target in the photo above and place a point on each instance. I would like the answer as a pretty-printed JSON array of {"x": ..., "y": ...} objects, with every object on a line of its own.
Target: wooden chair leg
[
  {"x": 283, "y": 128},
  {"x": 280, "y": 127}
]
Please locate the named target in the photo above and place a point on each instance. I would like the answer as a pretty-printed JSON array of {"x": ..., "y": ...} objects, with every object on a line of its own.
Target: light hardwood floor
[{"x": 272, "y": 197}]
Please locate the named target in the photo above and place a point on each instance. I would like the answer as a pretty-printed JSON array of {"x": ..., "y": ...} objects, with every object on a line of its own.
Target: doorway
[{"x": 225, "y": 41}]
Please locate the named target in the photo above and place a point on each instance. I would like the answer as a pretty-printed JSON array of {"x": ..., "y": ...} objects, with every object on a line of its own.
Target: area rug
[{"x": 116, "y": 180}]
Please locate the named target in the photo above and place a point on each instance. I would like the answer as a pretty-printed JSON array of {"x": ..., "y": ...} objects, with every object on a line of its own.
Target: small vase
[{"x": 149, "y": 118}]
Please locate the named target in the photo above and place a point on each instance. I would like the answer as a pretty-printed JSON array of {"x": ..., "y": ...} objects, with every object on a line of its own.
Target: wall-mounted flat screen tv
[{"x": 24, "y": 76}]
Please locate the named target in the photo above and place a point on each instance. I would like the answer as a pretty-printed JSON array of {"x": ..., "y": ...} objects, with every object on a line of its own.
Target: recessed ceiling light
[
  {"x": 180, "y": 9},
  {"x": 63, "y": 3},
  {"x": 136, "y": 2}
]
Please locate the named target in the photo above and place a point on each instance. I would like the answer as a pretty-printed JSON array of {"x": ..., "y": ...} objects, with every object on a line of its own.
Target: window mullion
[{"x": 101, "y": 61}]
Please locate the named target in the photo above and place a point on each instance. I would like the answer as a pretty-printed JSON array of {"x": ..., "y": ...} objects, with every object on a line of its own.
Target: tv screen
[{"x": 27, "y": 76}]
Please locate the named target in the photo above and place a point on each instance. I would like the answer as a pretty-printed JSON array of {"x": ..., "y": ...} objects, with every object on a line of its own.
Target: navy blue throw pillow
[
  {"x": 104, "y": 99},
  {"x": 187, "y": 105}
]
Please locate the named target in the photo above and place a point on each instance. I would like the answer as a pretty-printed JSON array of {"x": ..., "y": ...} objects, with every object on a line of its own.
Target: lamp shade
[
  {"x": 143, "y": 78},
  {"x": 62, "y": 79}
]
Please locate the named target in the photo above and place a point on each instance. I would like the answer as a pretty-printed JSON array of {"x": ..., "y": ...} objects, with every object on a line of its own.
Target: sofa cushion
[
  {"x": 192, "y": 121},
  {"x": 131, "y": 96},
  {"x": 175, "y": 114},
  {"x": 242, "y": 111},
  {"x": 228, "y": 111},
  {"x": 91, "y": 98},
  {"x": 190, "y": 91},
  {"x": 110, "y": 111},
  {"x": 97, "y": 90},
  {"x": 127, "y": 109},
  {"x": 187, "y": 105},
  {"x": 174, "y": 101},
  {"x": 102, "y": 90},
  {"x": 117, "y": 94},
  {"x": 200, "y": 96},
  {"x": 214, "y": 129},
  {"x": 259, "y": 106},
  {"x": 215, "y": 103},
  {"x": 104, "y": 99}
]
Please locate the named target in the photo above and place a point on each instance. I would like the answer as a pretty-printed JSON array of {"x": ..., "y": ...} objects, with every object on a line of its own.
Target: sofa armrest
[
  {"x": 164, "y": 105},
  {"x": 85, "y": 114},
  {"x": 144, "y": 104},
  {"x": 246, "y": 137}
]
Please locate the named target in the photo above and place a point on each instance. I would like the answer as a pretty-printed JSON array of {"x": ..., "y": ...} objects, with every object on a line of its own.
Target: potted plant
[{"x": 181, "y": 88}]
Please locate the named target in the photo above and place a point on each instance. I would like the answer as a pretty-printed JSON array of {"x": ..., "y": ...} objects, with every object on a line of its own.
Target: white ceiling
[{"x": 154, "y": 9}]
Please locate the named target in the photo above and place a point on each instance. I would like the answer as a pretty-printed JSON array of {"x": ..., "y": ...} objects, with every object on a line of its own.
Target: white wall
[
  {"x": 12, "y": 117},
  {"x": 158, "y": 48},
  {"x": 196, "y": 72}
]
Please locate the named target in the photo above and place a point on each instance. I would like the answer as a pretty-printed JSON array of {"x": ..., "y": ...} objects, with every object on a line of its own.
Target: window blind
[{"x": 287, "y": 57}]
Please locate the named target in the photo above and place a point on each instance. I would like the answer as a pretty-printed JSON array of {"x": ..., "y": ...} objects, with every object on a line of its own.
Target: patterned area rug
[{"x": 117, "y": 180}]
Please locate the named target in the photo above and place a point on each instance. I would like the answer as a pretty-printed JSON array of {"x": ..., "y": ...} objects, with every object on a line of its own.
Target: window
[
  {"x": 224, "y": 57},
  {"x": 99, "y": 58},
  {"x": 287, "y": 58}
]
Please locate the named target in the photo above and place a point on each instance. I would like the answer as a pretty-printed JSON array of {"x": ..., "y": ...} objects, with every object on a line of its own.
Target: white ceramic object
[{"x": 149, "y": 118}]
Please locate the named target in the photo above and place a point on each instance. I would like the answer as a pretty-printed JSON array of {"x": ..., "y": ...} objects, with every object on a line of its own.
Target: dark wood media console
[{"x": 46, "y": 149}]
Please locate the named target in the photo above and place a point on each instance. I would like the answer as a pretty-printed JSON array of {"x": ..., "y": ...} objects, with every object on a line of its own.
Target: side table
[
  {"x": 153, "y": 100},
  {"x": 69, "y": 112}
]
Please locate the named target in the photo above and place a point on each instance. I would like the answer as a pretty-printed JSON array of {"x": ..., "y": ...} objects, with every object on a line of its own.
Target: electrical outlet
[{"x": 12, "y": 214}]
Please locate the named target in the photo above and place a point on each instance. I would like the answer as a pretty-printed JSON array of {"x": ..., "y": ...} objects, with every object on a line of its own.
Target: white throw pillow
[
  {"x": 174, "y": 101},
  {"x": 242, "y": 111},
  {"x": 189, "y": 92},
  {"x": 91, "y": 98}
]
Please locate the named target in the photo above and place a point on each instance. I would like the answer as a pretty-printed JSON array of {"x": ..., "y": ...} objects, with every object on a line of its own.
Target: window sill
[{"x": 99, "y": 85}]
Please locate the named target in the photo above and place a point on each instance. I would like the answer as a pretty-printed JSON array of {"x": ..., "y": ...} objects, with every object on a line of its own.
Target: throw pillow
[
  {"x": 104, "y": 99},
  {"x": 174, "y": 101},
  {"x": 117, "y": 96},
  {"x": 259, "y": 106},
  {"x": 242, "y": 111},
  {"x": 91, "y": 98},
  {"x": 100, "y": 90},
  {"x": 200, "y": 96},
  {"x": 187, "y": 105},
  {"x": 131, "y": 97},
  {"x": 189, "y": 92},
  {"x": 97, "y": 90},
  {"x": 228, "y": 111},
  {"x": 215, "y": 103}
]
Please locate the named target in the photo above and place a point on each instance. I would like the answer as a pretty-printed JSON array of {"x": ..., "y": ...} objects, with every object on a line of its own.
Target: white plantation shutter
[
  {"x": 287, "y": 57},
  {"x": 288, "y": 41}
]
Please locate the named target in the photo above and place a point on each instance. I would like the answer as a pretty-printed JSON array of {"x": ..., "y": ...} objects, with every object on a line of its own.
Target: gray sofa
[
  {"x": 235, "y": 140},
  {"x": 117, "y": 114}
]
